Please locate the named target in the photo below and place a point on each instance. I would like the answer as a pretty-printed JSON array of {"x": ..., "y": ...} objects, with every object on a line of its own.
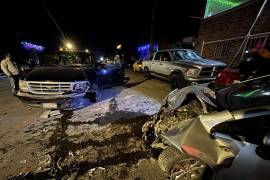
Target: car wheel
[
  {"x": 92, "y": 96},
  {"x": 180, "y": 165},
  {"x": 147, "y": 73},
  {"x": 177, "y": 81}
]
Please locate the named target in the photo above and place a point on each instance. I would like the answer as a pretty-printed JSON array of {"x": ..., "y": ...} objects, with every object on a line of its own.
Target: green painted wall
[{"x": 216, "y": 6}]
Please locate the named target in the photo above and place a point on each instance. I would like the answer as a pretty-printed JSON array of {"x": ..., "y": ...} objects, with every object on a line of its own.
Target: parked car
[
  {"x": 182, "y": 67},
  {"x": 137, "y": 66},
  {"x": 66, "y": 76}
]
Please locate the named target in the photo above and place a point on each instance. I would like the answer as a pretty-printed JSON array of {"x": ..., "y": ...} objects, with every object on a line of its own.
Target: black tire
[
  {"x": 172, "y": 161},
  {"x": 167, "y": 158},
  {"x": 177, "y": 81},
  {"x": 92, "y": 96},
  {"x": 147, "y": 73}
]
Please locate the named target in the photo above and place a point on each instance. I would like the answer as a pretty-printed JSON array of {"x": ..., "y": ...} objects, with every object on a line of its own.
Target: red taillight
[
  {"x": 191, "y": 151},
  {"x": 226, "y": 77}
]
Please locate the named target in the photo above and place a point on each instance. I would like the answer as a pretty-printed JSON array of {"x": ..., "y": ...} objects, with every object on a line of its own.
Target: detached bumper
[{"x": 66, "y": 101}]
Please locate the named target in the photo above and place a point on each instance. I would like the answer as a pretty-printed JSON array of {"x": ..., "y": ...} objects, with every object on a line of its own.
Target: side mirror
[{"x": 266, "y": 139}]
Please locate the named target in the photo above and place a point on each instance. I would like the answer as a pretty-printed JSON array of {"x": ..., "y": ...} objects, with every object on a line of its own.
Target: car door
[
  {"x": 155, "y": 63},
  {"x": 165, "y": 64}
]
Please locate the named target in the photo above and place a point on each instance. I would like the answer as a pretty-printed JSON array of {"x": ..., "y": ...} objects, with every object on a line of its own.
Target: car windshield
[
  {"x": 186, "y": 54},
  {"x": 69, "y": 59}
]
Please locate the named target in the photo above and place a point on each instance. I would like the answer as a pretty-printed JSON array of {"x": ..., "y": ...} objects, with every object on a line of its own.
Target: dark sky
[{"x": 98, "y": 24}]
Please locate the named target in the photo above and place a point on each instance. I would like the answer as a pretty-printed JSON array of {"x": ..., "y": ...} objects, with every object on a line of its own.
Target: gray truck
[{"x": 182, "y": 67}]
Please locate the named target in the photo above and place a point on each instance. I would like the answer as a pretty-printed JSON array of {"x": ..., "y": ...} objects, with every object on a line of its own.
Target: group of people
[{"x": 11, "y": 70}]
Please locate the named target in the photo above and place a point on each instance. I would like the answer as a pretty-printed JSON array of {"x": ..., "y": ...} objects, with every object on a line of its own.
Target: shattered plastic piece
[
  {"x": 70, "y": 153},
  {"x": 55, "y": 113},
  {"x": 45, "y": 114},
  {"x": 91, "y": 171},
  {"x": 23, "y": 162},
  {"x": 49, "y": 113}
]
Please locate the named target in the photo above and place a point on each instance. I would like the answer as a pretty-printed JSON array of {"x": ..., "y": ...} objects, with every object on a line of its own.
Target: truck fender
[{"x": 177, "y": 71}]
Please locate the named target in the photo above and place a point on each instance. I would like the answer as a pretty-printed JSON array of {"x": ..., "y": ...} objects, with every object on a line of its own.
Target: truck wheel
[
  {"x": 180, "y": 165},
  {"x": 177, "y": 81},
  {"x": 92, "y": 96},
  {"x": 147, "y": 73}
]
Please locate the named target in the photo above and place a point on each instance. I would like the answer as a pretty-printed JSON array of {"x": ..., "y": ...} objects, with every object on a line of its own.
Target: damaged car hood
[
  {"x": 177, "y": 97},
  {"x": 55, "y": 73}
]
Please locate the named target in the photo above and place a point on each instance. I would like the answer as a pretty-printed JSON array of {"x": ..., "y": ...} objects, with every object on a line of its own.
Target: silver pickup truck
[{"x": 182, "y": 67}]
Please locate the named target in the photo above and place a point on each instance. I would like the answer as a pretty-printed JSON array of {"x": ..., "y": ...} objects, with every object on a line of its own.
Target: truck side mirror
[{"x": 266, "y": 139}]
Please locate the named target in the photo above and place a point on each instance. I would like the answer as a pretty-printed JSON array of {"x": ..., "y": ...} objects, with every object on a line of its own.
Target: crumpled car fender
[{"x": 176, "y": 98}]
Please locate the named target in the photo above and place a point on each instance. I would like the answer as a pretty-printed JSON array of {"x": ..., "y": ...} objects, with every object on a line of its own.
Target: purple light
[
  {"x": 30, "y": 46},
  {"x": 145, "y": 50}
]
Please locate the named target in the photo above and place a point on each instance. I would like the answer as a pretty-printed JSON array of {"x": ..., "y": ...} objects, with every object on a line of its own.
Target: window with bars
[
  {"x": 222, "y": 49},
  {"x": 256, "y": 42}
]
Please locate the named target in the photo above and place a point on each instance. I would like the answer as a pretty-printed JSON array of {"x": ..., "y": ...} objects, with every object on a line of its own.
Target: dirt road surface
[{"x": 101, "y": 141}]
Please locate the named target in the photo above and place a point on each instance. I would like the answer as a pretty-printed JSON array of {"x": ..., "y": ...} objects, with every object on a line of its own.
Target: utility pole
[{"x": 152, "y": 28}]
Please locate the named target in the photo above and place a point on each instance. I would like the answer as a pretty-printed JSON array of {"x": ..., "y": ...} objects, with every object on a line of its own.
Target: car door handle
[
  {"x": 152, "y": 63},
  {"x": 161, "y": 64}
]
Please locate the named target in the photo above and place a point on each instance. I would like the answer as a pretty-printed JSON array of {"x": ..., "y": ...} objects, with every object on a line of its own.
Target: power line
[{"x": 53, "y": 19}]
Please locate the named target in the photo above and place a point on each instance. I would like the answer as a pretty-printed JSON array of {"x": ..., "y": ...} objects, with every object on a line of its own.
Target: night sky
[{"x": 98, "y": 25}]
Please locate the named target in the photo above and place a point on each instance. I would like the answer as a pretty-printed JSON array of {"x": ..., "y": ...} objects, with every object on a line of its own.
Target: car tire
[
  {"x": 92, "y": 96},
  {"x": 177, "y": 81},
  {"x": 172, "y": 161},
  {"x": 147, "y": 73}
]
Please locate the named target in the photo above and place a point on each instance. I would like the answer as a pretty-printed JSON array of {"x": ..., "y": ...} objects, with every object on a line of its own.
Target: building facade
[{"x": 221, "y": 35}]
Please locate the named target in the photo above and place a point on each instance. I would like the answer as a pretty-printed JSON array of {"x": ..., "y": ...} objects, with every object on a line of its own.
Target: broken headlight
[{"x": 23, "y": 86}]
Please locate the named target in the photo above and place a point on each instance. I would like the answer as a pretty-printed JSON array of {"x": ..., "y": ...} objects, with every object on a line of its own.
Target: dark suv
[{"x": 66, "y": 76}]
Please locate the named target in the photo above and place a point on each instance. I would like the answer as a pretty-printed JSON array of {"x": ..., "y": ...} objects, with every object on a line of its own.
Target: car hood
[
  {"x": 201, "y": 62},
  {"x": 55, "y": 73}
]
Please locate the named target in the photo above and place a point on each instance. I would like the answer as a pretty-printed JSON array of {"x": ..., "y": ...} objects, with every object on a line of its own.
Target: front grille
[
  {"x": 210, "y": 71},
  {"x": 49, "y": 88}
]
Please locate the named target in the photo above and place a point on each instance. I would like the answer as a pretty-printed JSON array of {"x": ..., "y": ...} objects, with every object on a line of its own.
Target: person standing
[{"x": 11, "y": 70}]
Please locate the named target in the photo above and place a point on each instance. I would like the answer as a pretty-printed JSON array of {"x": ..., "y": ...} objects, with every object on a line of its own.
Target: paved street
[{"x": 100, "y": 141}]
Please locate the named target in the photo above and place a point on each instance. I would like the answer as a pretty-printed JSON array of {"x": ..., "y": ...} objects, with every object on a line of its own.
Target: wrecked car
[
  {"x": 65, "y": 78},
  {"x": 189, "y": 117}
]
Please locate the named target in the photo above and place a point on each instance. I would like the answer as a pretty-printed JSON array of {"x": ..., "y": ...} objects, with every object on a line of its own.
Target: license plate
[{"x": 49, "y": 105}]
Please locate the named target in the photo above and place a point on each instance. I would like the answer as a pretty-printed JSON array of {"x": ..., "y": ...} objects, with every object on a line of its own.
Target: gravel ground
[{"x": 101, "y": 141}]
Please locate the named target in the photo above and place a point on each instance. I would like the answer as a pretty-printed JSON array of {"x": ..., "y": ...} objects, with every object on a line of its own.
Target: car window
[
  {"x": 177, "y": 55},
  {"x": 186, "y": 54},
  {"x": 69, "y": 59},
  {"x": 165, "y": 56},
  {"x": 157, "y": 56}
]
